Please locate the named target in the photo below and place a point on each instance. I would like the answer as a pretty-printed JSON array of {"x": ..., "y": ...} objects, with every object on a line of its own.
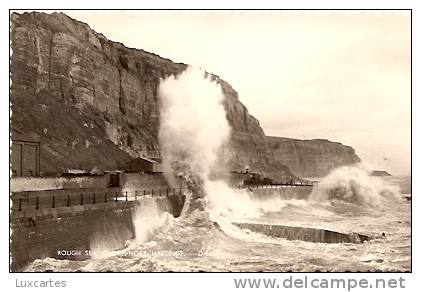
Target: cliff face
[
  {"x": 311, "y": 158},
  {"x": 93, "y": 102}
]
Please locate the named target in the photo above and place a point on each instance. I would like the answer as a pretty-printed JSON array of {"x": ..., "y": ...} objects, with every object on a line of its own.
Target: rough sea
[{"x": 205, "y": 240}]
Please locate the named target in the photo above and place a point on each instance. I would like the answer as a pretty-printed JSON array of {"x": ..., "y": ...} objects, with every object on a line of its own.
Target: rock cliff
[
  {"x": 93, "y": 102},
  {"x": 310, "y": 158}
]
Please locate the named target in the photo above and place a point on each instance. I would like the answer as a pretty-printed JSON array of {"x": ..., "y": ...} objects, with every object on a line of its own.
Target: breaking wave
[
  {"x": 352, "y": 184},
  {"x": 243, "y": 203},
  {"x": 189, "y": 157},
  {"x": 150, "y": 216},
  {"x": 190, "y": 151}
]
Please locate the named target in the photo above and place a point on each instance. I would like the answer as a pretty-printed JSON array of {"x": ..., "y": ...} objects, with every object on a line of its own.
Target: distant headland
[{"x": 380, "y": 173}]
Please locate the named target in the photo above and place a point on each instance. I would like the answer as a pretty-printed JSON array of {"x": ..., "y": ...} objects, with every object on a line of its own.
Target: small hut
[
  {"x": 25, "y": 156},
  {"x": 143, "y": 164}
]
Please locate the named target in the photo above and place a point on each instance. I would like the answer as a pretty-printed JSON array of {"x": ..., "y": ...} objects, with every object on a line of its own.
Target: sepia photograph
[{"x": 210, "y": 141}]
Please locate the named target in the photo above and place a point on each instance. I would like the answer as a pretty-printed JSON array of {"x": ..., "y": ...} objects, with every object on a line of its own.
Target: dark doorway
[{"x": 114, "y": 180}]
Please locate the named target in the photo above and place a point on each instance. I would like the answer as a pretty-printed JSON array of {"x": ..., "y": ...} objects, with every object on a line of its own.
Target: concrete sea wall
[
  {"x": 143, "y": 181},
  {"x": 305, "y": 234},
  {"x": 284, "y": 192},
  {"x": 69, "y": 224},
  {"x": 74, "y": 232},
  {"x": 22, "y": 184},
  {"x": 127, "y": 180}
]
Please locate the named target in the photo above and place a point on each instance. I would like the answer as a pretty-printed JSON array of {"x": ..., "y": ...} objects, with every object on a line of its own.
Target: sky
[{"x": 340, "y": 76}]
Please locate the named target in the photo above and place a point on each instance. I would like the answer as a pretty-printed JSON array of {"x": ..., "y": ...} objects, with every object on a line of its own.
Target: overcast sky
[{"x": 342, "y": 77}]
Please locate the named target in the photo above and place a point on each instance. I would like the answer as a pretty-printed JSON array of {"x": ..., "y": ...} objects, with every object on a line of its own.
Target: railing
[
  {"x": 277, "y": 185},
  {"x": 150, "y": 153},
  {"x": 23, "y": 202},
  {"x": 37, "y": 200}
]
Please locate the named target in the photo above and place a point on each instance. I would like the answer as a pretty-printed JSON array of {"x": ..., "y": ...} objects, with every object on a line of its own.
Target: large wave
[
  {"x": 352, "y": 184},
  {"x": 238, "y": 204},
  {"x": 150, "y": 216},
  {"x": 193, "y": 125},
  {"x": 193, "y": 130}
]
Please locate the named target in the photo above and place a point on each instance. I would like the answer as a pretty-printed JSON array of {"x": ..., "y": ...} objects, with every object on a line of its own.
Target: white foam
[
  {"x": 149, "y": 217},
  {"x": 352, "y": 184}
]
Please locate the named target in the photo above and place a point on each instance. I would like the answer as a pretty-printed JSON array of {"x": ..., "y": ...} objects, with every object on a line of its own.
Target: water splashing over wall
[{"x": 151, "y": 215}]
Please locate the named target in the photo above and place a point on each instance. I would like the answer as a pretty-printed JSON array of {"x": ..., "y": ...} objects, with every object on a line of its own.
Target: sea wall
[
  {"x": 141, "y": 181},
  {"x": 128, "y": 181},
  {"x": 233, "y": 179},
  {"x": 284, "y": 192},
  {"x": 23, "y": 184},
  {"x": 305, "y": 234},
  {"x": 76, "y": 232},
  {"x": 100, "y": 223}
]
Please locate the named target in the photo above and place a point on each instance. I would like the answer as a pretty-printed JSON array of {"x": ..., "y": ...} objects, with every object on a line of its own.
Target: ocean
[{"x": 201, "y": 240}]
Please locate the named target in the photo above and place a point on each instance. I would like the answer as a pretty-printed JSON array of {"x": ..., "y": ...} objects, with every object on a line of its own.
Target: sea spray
[
  {"x": 106, "y": 238},
  {"x": 193, "y": 129},
  {"x": 150, "y": 216},
  {"x": 241, "y": 204},
  {"x": 192, "y": 132},
  {"x": 193, "y": 122},
  {"x": 352, "y": 184}
]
